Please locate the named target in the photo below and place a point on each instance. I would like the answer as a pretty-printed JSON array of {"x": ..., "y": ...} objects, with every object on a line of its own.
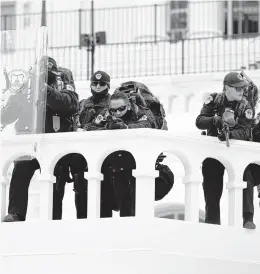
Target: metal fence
[{"x": 160, "y": 39}]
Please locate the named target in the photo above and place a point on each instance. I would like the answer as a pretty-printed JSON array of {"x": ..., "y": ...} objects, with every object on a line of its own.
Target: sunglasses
[
  {"x": 102, "y": 84},
  {"x": 238, "y": 89},
  {"x": 120, "y": 109}
]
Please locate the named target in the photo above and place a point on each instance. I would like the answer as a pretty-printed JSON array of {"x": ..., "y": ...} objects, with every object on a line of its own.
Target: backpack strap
[
  {"x": 218, "y": 101},
  {"x": 241, "y": 107}
]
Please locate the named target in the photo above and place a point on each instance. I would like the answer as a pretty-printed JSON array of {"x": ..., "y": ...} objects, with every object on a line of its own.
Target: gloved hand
[
  {"x": 118, "y": 125},
  {"x": 222, "y": 136},
  {"x": 80, "y": 129},
  {"x": 90, "y": 116},
  {"x": 217, "y": 121}
]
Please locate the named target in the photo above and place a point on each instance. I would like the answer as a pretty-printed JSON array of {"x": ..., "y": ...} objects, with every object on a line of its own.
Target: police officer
[
  {"x": 88, "y": 110},
  {"x": 61, "y": 105},
  {"x": 91, "y": 107},
  {"x": 210, "y": 119},
  {"x": 118, "y": 188}
]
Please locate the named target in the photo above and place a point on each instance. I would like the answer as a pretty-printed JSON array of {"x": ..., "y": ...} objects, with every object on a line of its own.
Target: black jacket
[{"x": 242, "y": 129}]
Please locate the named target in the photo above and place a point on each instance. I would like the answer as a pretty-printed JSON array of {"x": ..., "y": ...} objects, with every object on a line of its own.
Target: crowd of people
[{"x": 131, "y": 105}]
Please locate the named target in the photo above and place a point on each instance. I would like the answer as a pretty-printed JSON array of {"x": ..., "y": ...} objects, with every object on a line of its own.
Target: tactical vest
[
  {"x": 239, "y": 111},
  {"x": 240, "y": 107}
]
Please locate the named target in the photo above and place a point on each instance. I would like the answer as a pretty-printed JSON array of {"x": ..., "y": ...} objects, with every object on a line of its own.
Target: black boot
[
  {"x": 248, "y": 222},
  {"x": 13, "y": 217}
]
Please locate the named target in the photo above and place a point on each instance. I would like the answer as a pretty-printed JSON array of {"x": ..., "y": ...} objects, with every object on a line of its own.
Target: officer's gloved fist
[
  {"x": 48, "y": 88},
  {"x": 118, "y": 125},
  {"x": 222, "y": 136},
  {"x": 217, "y": 121}
]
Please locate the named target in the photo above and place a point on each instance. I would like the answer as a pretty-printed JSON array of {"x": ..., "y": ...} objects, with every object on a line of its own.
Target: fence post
[
  {"x": 155, "y": 23},
  {"x": 182, "y": 56},
  {"x": 93, "y": 38},
  {"x": 80, "y": 22},
  {"x": 43, "y": 19}
]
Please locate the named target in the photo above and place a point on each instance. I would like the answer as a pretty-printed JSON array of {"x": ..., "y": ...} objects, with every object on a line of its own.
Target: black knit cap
[
  {"x": 53, "y": 64},
  {"x": 100, "y": 76}
]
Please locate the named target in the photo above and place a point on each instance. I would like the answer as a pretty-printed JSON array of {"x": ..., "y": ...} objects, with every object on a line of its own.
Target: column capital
[
  {"x": 94, "y": 175},
  {"x": 236, "y": 185},
  {"x": 150, "y": 174},
  {"x": 4, "y": 181}
]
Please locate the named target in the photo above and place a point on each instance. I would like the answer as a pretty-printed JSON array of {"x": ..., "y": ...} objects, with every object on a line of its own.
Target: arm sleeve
[
  {"x": 256, "y": 133},
  {"x": 242, "y": 130},
  {"x": 205, "y": 118},
  {"x": 147, "y": 120},
  {"x": 64, "y": 101}
]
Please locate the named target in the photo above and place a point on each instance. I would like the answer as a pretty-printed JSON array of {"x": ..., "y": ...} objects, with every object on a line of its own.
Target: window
[
  {"x": 177, "y": 20},
  {"x": 181, "y": 217},
  {"x": 8, "y": 18},
  {"x": 168, "y": 216},
  {"x": 26, "y": 9},
  {"x": 245, "y": 17}
]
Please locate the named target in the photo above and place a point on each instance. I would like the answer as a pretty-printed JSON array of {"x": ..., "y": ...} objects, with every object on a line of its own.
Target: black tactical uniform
[
  {"x": 118, "y": 187},
  {"x": 61, "y": 105},
  {"x": 210, "y": 120}
]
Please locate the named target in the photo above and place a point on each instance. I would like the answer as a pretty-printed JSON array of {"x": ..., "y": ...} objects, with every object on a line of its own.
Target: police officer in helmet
[
  {"x": 211, "y": 119},
  {"x": 61, "y": 105}
]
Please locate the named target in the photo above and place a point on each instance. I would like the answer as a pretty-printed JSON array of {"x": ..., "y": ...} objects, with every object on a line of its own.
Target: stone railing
[{"x": 145, "y": 145}]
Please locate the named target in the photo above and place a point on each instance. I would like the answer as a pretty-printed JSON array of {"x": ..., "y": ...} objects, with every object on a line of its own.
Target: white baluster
[
  {"x": 145, "y": 191},
  {"x": 46, "y": 196},
  {"x": 235, "y": 203},
  {"x": 94, "y": 187},
  {"x": 3, "y": 186},
  {"x": 192, "y": 182}
]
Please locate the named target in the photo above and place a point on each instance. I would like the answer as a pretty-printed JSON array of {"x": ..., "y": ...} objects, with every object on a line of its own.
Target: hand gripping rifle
[{"x": 228, "y": 120}]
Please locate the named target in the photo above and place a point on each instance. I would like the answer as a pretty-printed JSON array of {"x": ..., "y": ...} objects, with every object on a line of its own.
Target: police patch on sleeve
[
  {"x": 70, "y": 87},
  {"x": 249, "y": 114},
  {"x": 143, "y": 118},
  {"x": 208, "y": 100}
]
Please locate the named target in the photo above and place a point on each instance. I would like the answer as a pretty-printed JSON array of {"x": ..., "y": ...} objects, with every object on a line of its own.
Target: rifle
[
  {"x": 245, "y": 77},
  {"x": 228, "y": 121}
]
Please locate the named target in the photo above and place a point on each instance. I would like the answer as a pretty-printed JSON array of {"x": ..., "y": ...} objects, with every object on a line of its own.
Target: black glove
[
  {"x": 118, "y": 125},
  {"x": 217, "y": 122},
  {"x": 49, "y": 88},
  {"x": 222, "y": 136},
  {"x": 91, "y": 115}
]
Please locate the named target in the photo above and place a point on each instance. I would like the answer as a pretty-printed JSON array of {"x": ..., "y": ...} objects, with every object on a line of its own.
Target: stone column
[
  {"x": 235, "y": 203},
  {"x": 145, "y": 191},
  {"x": 94, "y": 193},
  {"x": 46, "y": 196},
  {"x": 192, "y": 182},
  {"x": 3, "y": 185},
  {"x": 205, "y": 18}
]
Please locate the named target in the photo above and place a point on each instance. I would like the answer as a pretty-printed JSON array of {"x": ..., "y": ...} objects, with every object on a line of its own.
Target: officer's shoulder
[
  {"x": 209, "y": 98},
  {"x": 89, "y": 101},
  {"x": 65, "y": 70}
]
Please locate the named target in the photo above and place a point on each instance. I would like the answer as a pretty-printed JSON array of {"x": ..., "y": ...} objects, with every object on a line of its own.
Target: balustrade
[{"x": 145, "y": 145}]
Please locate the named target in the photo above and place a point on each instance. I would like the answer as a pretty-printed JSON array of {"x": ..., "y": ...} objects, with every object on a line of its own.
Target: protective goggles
[
  {"x": 238, "y": 89},
  {"x": 120, "y": 109},
  {"x": 102, "y": 84}
]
